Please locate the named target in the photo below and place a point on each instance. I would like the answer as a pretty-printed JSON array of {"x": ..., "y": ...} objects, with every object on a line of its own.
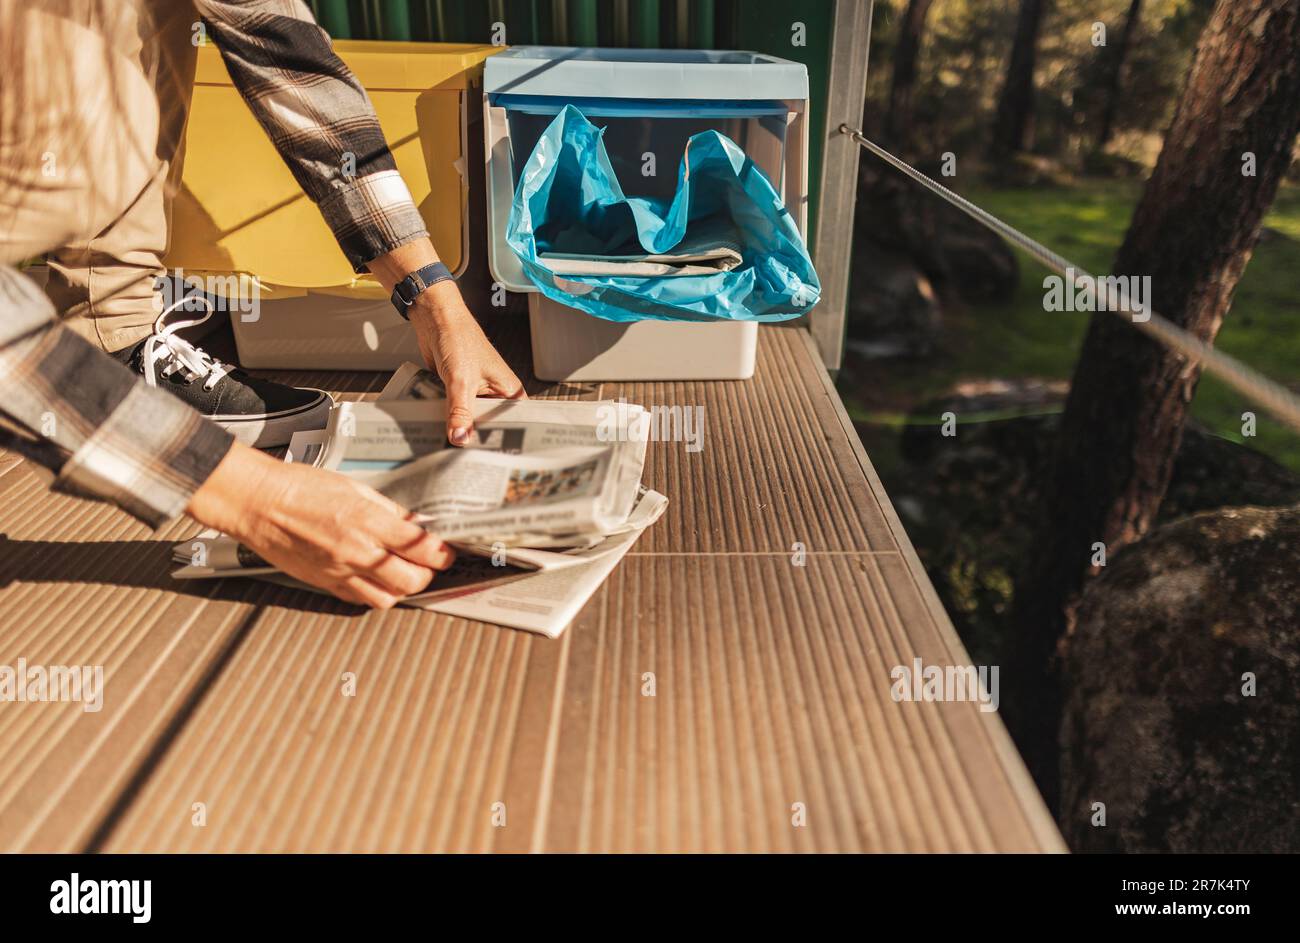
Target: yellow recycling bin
[{"x": 239, "y": 212}]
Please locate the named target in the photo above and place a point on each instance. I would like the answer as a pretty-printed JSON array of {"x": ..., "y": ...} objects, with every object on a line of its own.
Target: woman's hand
[
  {"x": 320, "y": 527},
  {"x": 454, "y": 345},
  {"x": 451, "y": 340}
]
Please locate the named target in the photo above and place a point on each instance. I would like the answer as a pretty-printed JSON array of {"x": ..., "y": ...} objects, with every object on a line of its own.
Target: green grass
[
  {"x": 1086, "y": 225},
  {"x": 1086, "y": 222}
]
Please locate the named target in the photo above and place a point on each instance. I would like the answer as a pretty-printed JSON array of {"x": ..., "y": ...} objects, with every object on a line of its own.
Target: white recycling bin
[{"x": 649, "y": 102}]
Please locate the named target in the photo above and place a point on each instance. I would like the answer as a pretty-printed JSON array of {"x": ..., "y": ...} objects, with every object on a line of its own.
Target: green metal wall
[
  {"x": 629, "y": 23},
  {"x": 760, "y": 25}
]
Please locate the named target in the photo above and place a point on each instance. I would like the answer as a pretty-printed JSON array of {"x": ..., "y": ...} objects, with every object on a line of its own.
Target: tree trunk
[
  {"x": 1014, "y": 126},
  {"x": 898, "y": 120},
  {"x": 1192, "y": 233},
  {"x": 1115, "y": 73}
]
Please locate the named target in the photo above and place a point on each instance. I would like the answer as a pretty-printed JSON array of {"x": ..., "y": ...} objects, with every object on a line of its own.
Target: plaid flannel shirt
[
  {"x": 83, "y": 416},
  {"x": 319, "y": 119}
]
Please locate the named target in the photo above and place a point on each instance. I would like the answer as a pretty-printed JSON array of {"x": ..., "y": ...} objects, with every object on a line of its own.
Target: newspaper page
[
  {"x": 411, "y": 381},
  {"x": 534, "y": 590},
  {"x": 382, "y": 435},
  {"x": 548, "y": 601},
  {"x": 711, "y": 246},
  {"x": 540, "y": 506},
  {"x": 305, "y": 446},
  {"x": 466, "y": 575},
  {"x": 644, "y": 266},
  {"x": 210, "y": 555},
  {"x": 492, "y": 496}
]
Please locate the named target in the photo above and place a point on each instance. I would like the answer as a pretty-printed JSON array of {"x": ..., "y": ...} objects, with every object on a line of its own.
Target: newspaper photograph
[
  {"x": 480, "y": 495},
  {"x": 411, "y": 381}
]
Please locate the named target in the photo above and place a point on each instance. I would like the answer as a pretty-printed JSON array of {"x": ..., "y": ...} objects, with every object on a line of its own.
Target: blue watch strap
[{"x": 409, "y": 288}]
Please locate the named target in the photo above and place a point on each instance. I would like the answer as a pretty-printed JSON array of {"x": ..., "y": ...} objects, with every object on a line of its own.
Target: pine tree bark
[
  {"x": 1115, "y": 73},
  {"x": 902, "y": 88},
  {"x": 1013, "y": 128},
  {"x": 1193, "y": 233}
]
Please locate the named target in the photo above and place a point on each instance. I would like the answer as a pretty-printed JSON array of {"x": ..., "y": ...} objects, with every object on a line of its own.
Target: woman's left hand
[{"x": 456, "y": 348}]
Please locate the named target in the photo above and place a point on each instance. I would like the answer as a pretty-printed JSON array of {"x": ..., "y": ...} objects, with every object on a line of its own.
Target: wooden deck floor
[{"x": 224, "y": 700}]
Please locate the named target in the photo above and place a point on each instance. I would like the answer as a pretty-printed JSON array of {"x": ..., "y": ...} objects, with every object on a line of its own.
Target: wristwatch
[{"x": 409, "y": 288}]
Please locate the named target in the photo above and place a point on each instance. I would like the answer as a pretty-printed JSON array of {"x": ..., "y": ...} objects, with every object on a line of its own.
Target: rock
[
  {"x": 957, "y": 254},
  {"x": 972, "y": 260},
  {"x": 1026, "y": 170},
  {"x": 978, "y": 491},
  {"x": 1156, "y": 723},
  {"x": 1114, "y": 165},
  {"x": 976, "y": 494},
  {"x": 1212, "y": 472},
  {"x": 893, "y": 310}
]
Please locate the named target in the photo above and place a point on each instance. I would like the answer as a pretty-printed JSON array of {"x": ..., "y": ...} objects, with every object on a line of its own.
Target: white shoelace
[{"x": 176, "y": 354}]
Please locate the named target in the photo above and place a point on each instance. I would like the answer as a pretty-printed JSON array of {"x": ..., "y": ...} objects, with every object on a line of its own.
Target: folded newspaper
[
  {"x": 711, "y": 248},
  {"x": 540, "y": 505}
]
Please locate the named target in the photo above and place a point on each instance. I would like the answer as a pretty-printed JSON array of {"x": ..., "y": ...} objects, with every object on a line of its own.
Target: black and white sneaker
[{"x": 259, "y": 413}]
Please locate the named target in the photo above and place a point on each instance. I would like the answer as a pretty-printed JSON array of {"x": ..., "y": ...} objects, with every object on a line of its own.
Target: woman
[{"x": 93, "y": 99}]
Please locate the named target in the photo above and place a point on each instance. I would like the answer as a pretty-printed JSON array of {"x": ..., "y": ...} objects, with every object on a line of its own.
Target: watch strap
[{"x": 409, "y": 288}]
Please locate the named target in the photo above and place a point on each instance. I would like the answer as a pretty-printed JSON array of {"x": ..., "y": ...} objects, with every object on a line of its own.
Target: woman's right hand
[{"x": 320, "y": 527}]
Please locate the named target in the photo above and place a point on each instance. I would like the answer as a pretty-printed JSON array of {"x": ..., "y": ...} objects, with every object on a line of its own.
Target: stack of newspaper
[{"x": 540, "y": 505}]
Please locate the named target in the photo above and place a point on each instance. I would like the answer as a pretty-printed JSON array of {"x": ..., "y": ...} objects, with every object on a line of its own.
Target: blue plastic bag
[{"x": 569, "y": 201}]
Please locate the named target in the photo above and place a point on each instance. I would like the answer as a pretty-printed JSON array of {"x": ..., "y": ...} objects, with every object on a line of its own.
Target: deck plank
[
  {"x": 767, "y": 475},
  {"x": 82, "y": 584},
  {"x": 284, "y": 759},
  {"x": 772, "y": 689},
  {"x": 771, "y": 678}
]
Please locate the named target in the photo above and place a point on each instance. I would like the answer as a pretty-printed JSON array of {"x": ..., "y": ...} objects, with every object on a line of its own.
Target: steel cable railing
[{"x": 1252, "y": 384}]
